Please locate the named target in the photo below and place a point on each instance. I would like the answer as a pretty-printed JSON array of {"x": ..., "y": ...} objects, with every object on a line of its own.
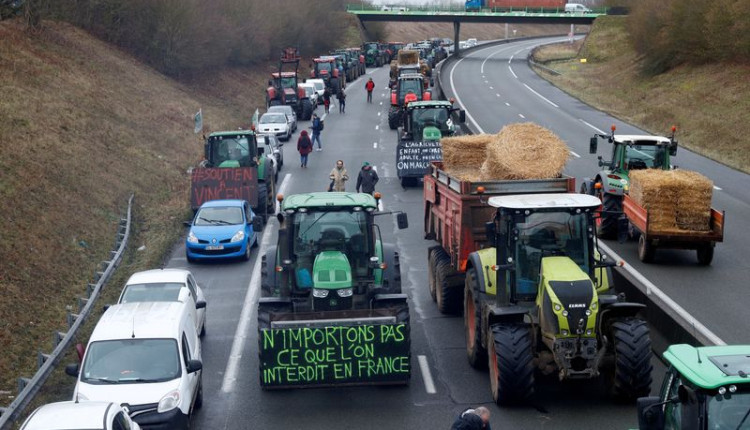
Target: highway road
[
  {"x": 497, "y": 87},
  {"x": 442, "y": 384}
]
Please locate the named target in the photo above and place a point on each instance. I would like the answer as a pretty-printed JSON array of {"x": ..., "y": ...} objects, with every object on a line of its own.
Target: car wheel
[{"x": 246, "y": 255}]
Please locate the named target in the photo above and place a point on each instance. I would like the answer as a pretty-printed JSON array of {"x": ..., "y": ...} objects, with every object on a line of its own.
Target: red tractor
[
  {"x": 283, "y": 88},
  {"x": 325, "y": 68},
  {"x": 408, "y": 88}
]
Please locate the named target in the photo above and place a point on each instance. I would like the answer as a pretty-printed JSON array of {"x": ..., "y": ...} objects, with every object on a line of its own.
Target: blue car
[{"x": 223, "y": 229}]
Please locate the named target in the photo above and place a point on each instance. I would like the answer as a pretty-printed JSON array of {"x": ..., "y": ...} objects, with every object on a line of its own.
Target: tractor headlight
[
  {"x": 565, "y": 313},
  {"x": 320, "y": 294},
  {"x": 588, "y": 312},
  {"x": 346, "y": 292},
  {"x": 240, "y": 235},
  {"x": 564, "y": 332},
  {"x": 192, "y": 238}
]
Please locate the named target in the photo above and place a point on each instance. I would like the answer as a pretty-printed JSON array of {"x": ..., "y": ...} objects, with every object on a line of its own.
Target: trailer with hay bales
[
  {"x": 672, "y": 210},
  {"x": 521, "y": 159},
  {"x": 408, "y": 62}
]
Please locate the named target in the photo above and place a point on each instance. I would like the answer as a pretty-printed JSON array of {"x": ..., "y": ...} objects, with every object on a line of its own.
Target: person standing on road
[
  {"x": 473, "y": 419},
  {"x": 327, "y": 100},
  {"x": 341, "y": 96},
  {"x": 317, "y": 127},
  {"x": 369, "y": 86},
  {"x": 305, "y": 147},
  {"x": 338, "y": 177},
  {"x": 367, "y": 179}
]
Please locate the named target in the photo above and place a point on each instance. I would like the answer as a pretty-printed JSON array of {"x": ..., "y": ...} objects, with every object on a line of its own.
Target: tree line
[
  {"x": 188, "y": 36},
  {"x": 668, "y": 33}
]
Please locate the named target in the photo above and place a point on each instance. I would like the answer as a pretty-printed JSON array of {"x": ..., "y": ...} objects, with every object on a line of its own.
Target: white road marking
[
  {"x": 382, "y": 95},
  {"x": 248, "y": 308},
  {"x": 381, "y": 103},
  {"x": 521, "y": 115},
  {"x": 507, "y": 104},
  {"x": 379, "y": 113},
  {"x": 323, "y": 118},
  {"x": 377, "y": 127},
  {"x": 429, "y": 384},
  {"x": 486, "y": 81},
  {"x": 512, "y": 72},
  {"x": 511, "y": 58},
  {"x": 371, "y": 71},
  {"x": 375, "y": 145},
  {"x": 497, "y": 95},
  {"x": 591, "y": 126},
  {"x": 575, "y": 155},
  {"x": 717, "y": 188},
  {"x": 492, "y": 88},
  {"x": 541, "y": 96},
  {"x": 519, "y": 51}
]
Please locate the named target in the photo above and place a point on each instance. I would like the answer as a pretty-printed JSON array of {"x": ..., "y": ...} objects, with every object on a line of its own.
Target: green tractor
[
  {"x": 704, "y": 388},
  {"x": 629, "y": 152},
  {"x": 374, "y": 56},
  {"x": 331, "y": 275},
  {"x": 539, "y": 302}
]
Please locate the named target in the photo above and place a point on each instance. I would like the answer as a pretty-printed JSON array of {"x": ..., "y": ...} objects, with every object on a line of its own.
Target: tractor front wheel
[
  {"x": 631, "y": 344},
  {"x": 611, "y": 210},
  {"x": 448, "y": 295},
  {"x": 394, "y": 118},
  {"x": 476, "y": 353},
  {"x": 307, "y": 109},
  {"x": 511, "y": 361}
]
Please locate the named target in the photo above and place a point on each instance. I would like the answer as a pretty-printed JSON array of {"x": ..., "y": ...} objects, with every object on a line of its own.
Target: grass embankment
[
  {"x": 83, "y": 126},
  {"x": 708, "y": 103}
]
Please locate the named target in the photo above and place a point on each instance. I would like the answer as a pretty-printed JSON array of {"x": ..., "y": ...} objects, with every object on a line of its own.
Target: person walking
[
  {"x": 305, "y": 147},
  {"x": 341, "y": 96},
  {"x": 473, "y": 419},
  {"x": 317, "y": 127},
  {"x": 369, "y": 86},
  {"x": 338, "y": 177},
  {"x": 367, "y": 179},
  {"x": 327, "y": 100}
]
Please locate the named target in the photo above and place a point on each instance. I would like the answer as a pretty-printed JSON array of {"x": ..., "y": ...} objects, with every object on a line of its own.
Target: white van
[
  {"x": 576, "y": 8},
  {"x": 147, "y": 357}
]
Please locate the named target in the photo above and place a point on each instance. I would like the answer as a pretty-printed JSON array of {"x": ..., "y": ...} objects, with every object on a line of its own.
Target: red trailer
[
  {"x": 521, "y": 4},
  {"x": 455, "y": 213}
]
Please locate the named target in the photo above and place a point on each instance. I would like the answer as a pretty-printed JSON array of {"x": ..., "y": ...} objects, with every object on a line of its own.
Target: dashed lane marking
[
  {"x": 591, "y": 126},
  {"x": 575, "y": 155},
  {"x": 429, "y": 384},
  {"x": 521, "y": 115}
]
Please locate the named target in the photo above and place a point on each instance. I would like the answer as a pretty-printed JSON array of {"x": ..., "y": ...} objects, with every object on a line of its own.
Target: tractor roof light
[
  {"x": 357, "y": 209},
  {"x": 279, "y": 197},
  {"x": 452, "y": 100},
  {"x": 377, "y": 195},
  {"x": 481, "y": 190},
  {"x": 598, "y": 186},
  {"x": 674, "y": 128},
  {"x": 279, "y": 269},
  {"x": 383, "y": 266}
]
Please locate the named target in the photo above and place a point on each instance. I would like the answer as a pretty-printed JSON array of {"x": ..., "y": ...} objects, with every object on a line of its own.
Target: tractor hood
[
  {"x": 332, "y": 271},
  {"x": 431, "y": 134},
  {"x": 569, "y": 298}
]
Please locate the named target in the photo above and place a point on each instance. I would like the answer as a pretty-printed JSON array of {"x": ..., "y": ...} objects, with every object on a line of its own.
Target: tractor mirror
[
  {"x": 650, "y": 413},
  {"x": 593, "y": 143},
  {"x": 490, "y": 231},
  {"x": 187, "y": 223},
  {"x": 673, "y": 148},
  {"x": 402, "y": 221},
  {"x": 622, "y": 229},
  {"x": 462, "y": 116},
  {"x": 260, "y": 150}
]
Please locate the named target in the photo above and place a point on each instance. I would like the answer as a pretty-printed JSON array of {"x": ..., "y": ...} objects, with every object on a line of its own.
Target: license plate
[{"x": 214, "y": 247}]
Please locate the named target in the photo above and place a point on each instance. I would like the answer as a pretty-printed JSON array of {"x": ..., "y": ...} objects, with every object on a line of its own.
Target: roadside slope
[{"x": 708, "y": 103}]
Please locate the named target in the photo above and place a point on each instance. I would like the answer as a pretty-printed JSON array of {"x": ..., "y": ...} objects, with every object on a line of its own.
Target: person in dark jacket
[
  {"x": 473, "y": 419},
  {"x": 327, "y": 100},
  {"x": 305, "y": 147},
  {"x": 317, "y": 127},
  {"x": 367, "y": 179},
  {"x": 341, "y": 96}
]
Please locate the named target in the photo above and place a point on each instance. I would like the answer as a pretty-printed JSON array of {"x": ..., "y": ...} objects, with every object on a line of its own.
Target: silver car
[
  {"x": 276, "y": 123},
  {"x": 274, "y": 149},
  {"x": 289, "y": 113}
]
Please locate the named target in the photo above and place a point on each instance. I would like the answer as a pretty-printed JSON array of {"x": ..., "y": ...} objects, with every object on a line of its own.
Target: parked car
[
  {"x": 311, "y": 93},
  {"x": 223, "y": 229},
  {"x": 320, "y": 86},
  {"x": 289, "y": 113},
  {"x": 276, "y": 123},
  {"x": 167, "y": 285},
  {"x": 471, "y": 42},
  {"x": 80, "y": 415},
  {"x": 273, "y": 147},
  {"x": 146, "y": 355}
]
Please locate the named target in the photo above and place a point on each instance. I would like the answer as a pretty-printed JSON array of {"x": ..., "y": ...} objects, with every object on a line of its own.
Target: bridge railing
[{"x": 416, "y": 9}]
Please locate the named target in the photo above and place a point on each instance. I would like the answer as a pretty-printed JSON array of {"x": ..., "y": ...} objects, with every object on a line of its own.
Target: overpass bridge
[{"x": 457, "y": 15}]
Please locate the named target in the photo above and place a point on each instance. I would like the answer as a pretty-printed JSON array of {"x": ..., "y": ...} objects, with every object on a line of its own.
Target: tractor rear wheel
[
  {"x": 306, "y": 111},
  {"x": 646, "y": 250},
  {"x": 476, "y": 353},
  {"x": 705, "y": 254},
  {"x": 448, "y": 295},
  {"x": 431, "y": 269},
  {"x": 262, "y": 209},
  {"x": 631, "y": 345},
  {"x": 511, "y": 361},
  {"x": 611, "y": 210},
  {"x": 394, "y": 118}
]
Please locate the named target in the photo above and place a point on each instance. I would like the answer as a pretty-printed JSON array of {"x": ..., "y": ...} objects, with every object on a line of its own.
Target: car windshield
[
  {"x": 436, "y": 117},
  {"x": 544, "y": 234},
  {"x": 232, "y": 151},
  {"x": 285, "y": 110},
  {"x": 131, "y": 361},
  {"x": 229, "y": 215},
  {"x": 729, "y": 411},
  {"x": 152, "y": 292},
  {"x": 324, "y": 66},
  {"x": 319, "y": 86},
  {"x": 644, "y": 156},
  {"x": 273, "y": 119}
]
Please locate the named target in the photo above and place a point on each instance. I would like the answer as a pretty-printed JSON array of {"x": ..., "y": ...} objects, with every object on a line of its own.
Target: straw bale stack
[
  {"x": 524, "y": 151},
  {"x": 407, "y": 57},
  {"x": 675, "y": 199},
  {"x": 465, "y": 152}
]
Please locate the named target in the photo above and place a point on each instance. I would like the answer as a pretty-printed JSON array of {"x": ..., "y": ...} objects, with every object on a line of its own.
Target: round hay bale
[{"x": 524, "y": 151}]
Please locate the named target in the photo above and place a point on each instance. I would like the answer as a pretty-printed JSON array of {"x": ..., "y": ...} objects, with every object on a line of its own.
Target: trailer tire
[
  {"x": 705, "y": 254},
  {"x": 448, "y": 296},
  {"x": 646, "y": 250},
  {"x": 394, "y": 118},
  {"x": 476, "y": 353},
  {"x": 630, "y": 376},
  {"x": 511, "y": 362},
  {"x": 607, "y": 228},
  {"x": 262, "y": 209},
  {"x": 431, "y": 269},
  {"x": 306, "y": 110}
]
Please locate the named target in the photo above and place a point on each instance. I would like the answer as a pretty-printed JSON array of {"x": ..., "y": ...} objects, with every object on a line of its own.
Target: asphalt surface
[
  {"x": 443, "y": 383},
  {"x": 497, "y": 87}
]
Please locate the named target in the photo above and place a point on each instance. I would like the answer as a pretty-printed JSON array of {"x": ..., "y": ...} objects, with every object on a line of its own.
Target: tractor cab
[
  {"x": 232, "y": 149},
  {"x": 430, "y": 121},
  {"x": 704, "y": 388},
  {"x": 409, "y": 84}
]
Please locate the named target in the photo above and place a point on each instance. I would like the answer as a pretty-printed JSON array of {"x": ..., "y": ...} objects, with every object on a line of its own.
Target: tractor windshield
[
  {"x": 288, "y": 82},
  {"x": 434, "y": 117},
  {"x": 324, "y": 67},
  {"x": 545, "y": 234},
  {"x": 407, "y": 86},
  {"x": 345, "y": 231},
  {"x": 729, "y": 411},
  {"x": 232, "y": 152},
  {"x": 644, "y": 157},
  {"x": 369, "y": 46}
]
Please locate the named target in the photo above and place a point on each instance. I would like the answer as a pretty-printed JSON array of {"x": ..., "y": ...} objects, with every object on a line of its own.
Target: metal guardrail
[
  {"x": 461, "y": 10},
  {"x": 28, "y": 388}
]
